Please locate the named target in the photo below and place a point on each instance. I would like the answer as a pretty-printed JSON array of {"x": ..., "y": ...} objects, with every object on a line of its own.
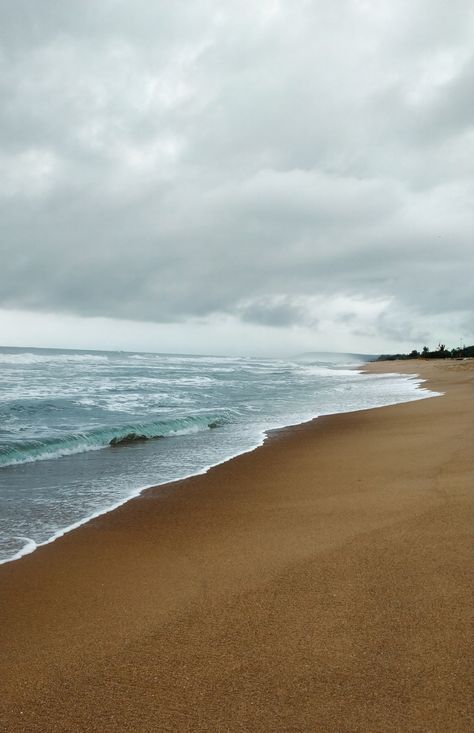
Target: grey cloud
[
  {"x": 275, "y": 312},
  {"x": 170, "y": 161},
  {"x": 402, "y": 329},
  {"x": 452, "y": 108}
]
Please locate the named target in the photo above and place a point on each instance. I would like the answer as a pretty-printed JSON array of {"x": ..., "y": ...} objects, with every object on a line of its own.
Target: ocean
[{"x": 81, "y": 432}]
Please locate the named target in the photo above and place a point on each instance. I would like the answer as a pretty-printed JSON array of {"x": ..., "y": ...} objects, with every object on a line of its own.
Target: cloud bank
[{"x": 290, "y": 165}]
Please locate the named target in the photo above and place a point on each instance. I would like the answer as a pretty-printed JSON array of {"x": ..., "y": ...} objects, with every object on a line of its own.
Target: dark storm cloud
[{"x": 173, "y": 160}]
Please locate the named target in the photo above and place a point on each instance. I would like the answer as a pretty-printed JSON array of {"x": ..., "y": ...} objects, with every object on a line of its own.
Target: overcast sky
[{"x": 242, "y": 177}]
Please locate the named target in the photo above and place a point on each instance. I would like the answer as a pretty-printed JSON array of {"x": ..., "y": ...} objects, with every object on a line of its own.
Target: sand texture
[{"x": 321, "y": 583}]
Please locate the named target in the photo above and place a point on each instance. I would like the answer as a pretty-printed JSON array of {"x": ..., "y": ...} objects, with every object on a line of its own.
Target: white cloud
[
  {"x": 199, "y": 164},
  {"x": 30, "y": 173}
]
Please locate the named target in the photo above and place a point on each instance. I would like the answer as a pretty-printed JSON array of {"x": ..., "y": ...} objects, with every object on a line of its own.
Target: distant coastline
[{"x": 441, "y": 352}]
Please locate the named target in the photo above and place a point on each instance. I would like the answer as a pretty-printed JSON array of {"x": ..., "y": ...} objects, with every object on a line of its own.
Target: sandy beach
[{"x": 320, "y": 583}]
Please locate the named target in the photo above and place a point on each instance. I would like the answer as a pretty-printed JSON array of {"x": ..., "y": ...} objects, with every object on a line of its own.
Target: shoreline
[
  {"x": 32, "y": 546},
  {"x": 321, "y": 582}
]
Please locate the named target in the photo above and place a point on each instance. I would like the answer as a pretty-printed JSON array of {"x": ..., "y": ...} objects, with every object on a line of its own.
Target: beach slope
[{"x": 320, "y": 583}]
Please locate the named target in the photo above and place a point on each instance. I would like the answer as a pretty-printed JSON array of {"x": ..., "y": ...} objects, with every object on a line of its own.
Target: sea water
[{"x": 81, "y": 432}]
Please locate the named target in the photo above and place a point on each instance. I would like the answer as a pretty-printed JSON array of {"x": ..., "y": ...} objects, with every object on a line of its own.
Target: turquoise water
[{"x": 80, "y": 432}]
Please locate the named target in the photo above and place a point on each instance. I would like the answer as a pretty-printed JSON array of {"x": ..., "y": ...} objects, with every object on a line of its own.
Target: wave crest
[{"x": 15, "y": 452}]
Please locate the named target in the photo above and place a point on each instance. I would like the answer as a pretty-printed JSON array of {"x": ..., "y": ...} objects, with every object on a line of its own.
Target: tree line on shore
[{"x": 441, "y": 352}]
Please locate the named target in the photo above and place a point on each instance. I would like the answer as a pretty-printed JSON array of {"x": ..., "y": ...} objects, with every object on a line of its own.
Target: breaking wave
[{"x": 15, "y": 452}]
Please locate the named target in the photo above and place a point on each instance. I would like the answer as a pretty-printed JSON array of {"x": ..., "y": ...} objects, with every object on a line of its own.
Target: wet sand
[{"x": 321, "y": 583}]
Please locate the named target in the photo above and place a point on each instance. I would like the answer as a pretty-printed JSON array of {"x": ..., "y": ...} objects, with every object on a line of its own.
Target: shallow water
[{"x": 80, "y": 432}]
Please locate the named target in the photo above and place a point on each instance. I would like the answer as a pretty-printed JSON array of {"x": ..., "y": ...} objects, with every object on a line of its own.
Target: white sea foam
[
  {"x": 32, "y": 358},
  {"x": 257, "y": 395},
  {"x": 52, "y": 454},
  {"x": 31, "y": 545}
]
